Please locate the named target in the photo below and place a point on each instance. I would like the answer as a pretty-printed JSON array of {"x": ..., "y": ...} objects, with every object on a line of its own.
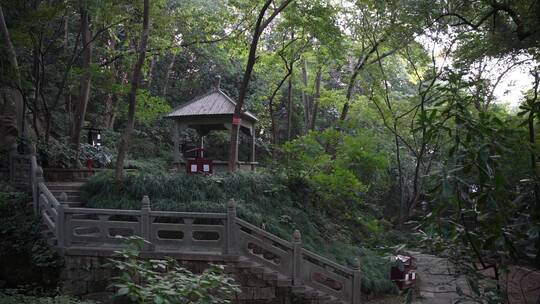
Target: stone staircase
[
  {"x": 274, "y": 279},
  {"x": 72, "y": 199},
  {"x": 72, "y": 191}
]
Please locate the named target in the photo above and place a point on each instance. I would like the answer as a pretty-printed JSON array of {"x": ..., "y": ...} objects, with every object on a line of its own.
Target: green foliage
[
  {"x": 483, "y": 202},
  {"x": 340, "y": 168},
  {"x": 101, "y": 155},
  {"x": 149, "y": 108},
  {"x": 57, "y": 155},
  {"x": 60, "y": 155},
  {"x": 166, "y": 282},
  {"x": 25, "y": 257}
]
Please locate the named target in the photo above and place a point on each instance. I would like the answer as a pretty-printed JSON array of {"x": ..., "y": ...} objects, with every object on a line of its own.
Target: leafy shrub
[
  {"x": 165, "y": 281},
  {"x": 339, "y": 168},
  {"x": 101, "y": 155},
  {"x": 57, "y": 155},
  {"x": 60, "y": 155},
  {"x": 23, "y": 251}
]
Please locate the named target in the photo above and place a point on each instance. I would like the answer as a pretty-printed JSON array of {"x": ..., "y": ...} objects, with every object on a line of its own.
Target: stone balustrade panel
[{"x": 265, "y": 248}]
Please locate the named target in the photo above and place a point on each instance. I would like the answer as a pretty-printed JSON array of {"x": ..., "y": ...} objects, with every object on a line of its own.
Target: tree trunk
[
  {"x": 360, "y": 64},
  {"x": 17, "y": 93},
  {"x": 289, "y": 105},
  {"x": 85, "y": 81},
  {"x": 168, "y": 75},
  {"x": 316, "y": 99},
  {"x": 271, "y": 106},
  {"x": 260, "y": 25},
  {"x": 108, "y": 117},
  {"x": 535, "y": 206},
  {"x": 305, "y": 97},
  {"x": 132, "y": 97},
  {"x": 151, "y": 73},
  {"x": 417, "y": 181}
]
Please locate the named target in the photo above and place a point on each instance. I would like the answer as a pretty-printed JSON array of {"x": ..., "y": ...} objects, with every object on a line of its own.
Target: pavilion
[{"x": 211, "y": 111}]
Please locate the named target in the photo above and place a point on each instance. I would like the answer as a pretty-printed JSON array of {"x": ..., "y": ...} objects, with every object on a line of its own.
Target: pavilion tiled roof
[{"x": 212, "y": 103}]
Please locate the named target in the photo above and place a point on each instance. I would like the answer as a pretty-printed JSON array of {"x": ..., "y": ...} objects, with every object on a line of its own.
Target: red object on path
[
  {"x": 404, "y": 273},
  {"x": 89, "y": 163}
]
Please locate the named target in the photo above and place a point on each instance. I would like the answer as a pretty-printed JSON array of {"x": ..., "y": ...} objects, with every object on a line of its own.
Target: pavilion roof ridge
[{"x": 209, "y": 106}]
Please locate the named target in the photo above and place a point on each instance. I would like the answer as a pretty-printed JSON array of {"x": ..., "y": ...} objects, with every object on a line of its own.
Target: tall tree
[
  {"x": 260, "y": 25},
  {"x": 85, "y": 80},
  {"x": 132, "y": 96},
  {"x": 17, "y": 93}
]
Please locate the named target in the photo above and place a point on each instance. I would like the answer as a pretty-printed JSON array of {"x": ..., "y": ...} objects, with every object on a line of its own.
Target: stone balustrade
[{"x": 197, "y": 235}]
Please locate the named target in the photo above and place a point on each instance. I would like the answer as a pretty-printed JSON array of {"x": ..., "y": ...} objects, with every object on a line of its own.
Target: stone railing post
[
  {"x": 356, "y": 283},
  {"x": 60, "y": 222},
  {"x": 145, "y": 222},
  {"x": 297, "y": 258},
  {"x": 230, "y": 247}
]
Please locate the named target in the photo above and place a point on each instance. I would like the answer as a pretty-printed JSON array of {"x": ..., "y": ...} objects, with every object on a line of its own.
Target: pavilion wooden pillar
[
  {"x": 177, "y": 128},
  {"x": 252, "y": 142},
  {"x": 176, "y": 142}
]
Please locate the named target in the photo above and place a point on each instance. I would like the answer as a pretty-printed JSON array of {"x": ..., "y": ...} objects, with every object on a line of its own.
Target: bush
[
  {"x": 102, "y": 156},
  {"x": 25, "y": 257},
  {"x": 60, "y": 155},
  {"x": 165, "y": 281}
]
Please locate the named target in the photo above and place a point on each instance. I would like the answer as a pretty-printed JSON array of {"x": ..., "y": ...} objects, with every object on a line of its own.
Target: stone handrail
[{"x": 193, "y": 233}]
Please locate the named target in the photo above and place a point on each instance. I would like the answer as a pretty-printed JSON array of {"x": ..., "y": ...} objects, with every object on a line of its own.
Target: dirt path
[{"x": 438, "y": 281}]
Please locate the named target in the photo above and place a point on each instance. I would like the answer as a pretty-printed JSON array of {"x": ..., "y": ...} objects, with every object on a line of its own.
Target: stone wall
[{"x": 83, "y": 275}]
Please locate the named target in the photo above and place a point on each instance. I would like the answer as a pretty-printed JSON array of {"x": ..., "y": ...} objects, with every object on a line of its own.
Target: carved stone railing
[{"x": 90, "y": 231}]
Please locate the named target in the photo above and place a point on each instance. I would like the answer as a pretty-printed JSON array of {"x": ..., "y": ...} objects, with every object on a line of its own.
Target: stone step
[
  {"x": 298, "y": 290},
  {"x": 334, "y": 300},
  {"x": 67, "y": 191},
  {"x": 244, "y": 263},
  {"x": 283, "y": 281},
  {"x": 311, "y": 293},
  {"x": 74, "y": 204},
  {"x": 269, "y": 275},
  {"x": 256, "y": 268},
  {"x": 59, "y": 186},
  {"x": 71, "y": 198}
]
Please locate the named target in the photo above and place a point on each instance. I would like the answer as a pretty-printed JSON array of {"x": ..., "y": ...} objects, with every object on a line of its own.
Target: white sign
[
  {"x": 193, "y": 168},
  {"x": 206, "y": 168}
]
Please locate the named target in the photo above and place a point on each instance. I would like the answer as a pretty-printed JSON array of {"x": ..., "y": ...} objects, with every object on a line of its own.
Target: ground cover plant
[
  {"x": 164, "y": 281},
  {"x": 25, "y": 257}
]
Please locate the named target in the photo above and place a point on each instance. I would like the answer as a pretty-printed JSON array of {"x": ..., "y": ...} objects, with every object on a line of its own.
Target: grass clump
[{"x": 262, "y": 198}]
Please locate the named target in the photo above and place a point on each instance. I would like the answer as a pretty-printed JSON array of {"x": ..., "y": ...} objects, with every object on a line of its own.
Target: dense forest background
[{"x": 378, "y": 113}]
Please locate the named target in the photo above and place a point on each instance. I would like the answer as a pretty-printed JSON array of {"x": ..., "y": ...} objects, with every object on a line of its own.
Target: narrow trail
[{"x": 438, "y": 281}]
